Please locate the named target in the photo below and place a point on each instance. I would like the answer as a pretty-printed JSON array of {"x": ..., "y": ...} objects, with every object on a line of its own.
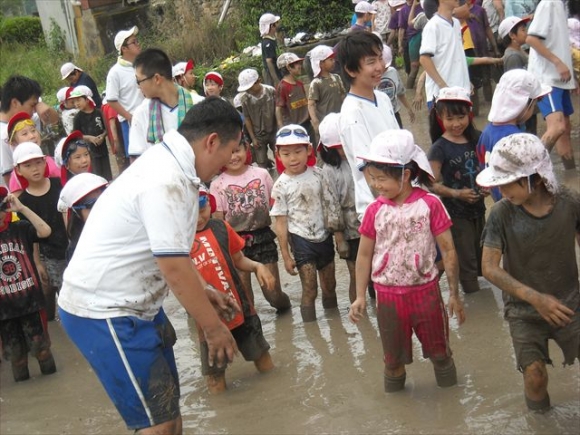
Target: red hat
[
  {"x": 20, "y": 116},
  {"x": 3, "y": 193},
  {"x": 75, "y": 135},
  {"x": 216, "y": 77},
  {"x": 189, "y": 65},
  {"x": 212, "y": 202}
]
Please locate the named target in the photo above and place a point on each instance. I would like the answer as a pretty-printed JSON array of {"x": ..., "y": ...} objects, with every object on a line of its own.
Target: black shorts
[
  {"x": 353, "y": 245},
  {"x": 305, "y": 251},
  {"x": 260, "y": 245}
]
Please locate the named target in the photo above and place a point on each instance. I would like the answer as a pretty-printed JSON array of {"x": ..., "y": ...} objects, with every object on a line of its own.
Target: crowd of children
[{"x": 395, "y": 214}]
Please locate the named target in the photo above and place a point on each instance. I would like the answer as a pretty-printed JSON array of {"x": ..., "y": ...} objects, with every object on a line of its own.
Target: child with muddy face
[
  {"x": 243, "y": 197},
  {"x": 399, "y": 231},
  {"x": 534, "y": 229},
  {"x": 217, "y": 254},
  {"x": 299, "y": 210}
]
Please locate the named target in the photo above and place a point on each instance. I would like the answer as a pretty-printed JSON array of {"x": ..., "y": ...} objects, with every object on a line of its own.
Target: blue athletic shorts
[
  {"x": 321, "y": 254},
  {"x": 133, "y": 359},
  {"x": 125, "y": 130},
  {"x": 556, "y": 101}
]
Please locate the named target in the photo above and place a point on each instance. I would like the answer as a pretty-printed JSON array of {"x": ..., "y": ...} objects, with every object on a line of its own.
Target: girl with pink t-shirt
[
  {"x": 399, "y": 231},
  {"x": 242, "y": 194}
]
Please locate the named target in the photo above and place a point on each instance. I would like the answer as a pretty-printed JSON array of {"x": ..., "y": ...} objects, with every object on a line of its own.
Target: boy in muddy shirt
[{"x": 534, "y": 228}]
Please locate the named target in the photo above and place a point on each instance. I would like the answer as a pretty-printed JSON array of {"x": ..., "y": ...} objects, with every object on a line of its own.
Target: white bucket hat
[
  {"x": 77, "y": 188},
  {"x": 512, "y": 94},
  {"x": 292, "y": 134},
  {"x": 329, "y": 130},
  {"x": 508, "y": 24},
  {"x": 396, "y": 147},
  {"x": 319, "y": 54},
  {"x": 266, "y": 21},
  {"x": 517, "y": 156},
  {"x": 286, "y": 59},
  {"x": 122, "y": 36},
  {"x": 247, "y": 78},
  {"x": 26, "y": 151},
  {"x": 67, "y": 69}
]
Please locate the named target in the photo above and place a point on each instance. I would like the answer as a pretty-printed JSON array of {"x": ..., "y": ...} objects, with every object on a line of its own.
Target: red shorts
[{"x": 422, "y": 311}]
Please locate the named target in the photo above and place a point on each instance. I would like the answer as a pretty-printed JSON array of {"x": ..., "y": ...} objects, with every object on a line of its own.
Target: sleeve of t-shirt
[
  {"x": 541, "y": 24},
  {"x": 367, "y": 225},
  {"x": 138, "y": 131},
  {"x": 279, "y": 206},
  {"x": 168, "y": 220},
  {"x": 331, "y": 197},
  {"x": 400, "y": 86},
  {"x": 218, "y": 190},
  {"x": 112, "y": 87},
  {"x": 493, "y": 233},
  {"x": 281, "y": 95},
  {"x": 236, "y": 243},
  {"x": 436, "y": 153},
  {"x": 77, "y": 122},
  {"x": 269, "y": 184},
  {"x": 313, "y": 93},
  {"x": 428, "y": 41},
  {"x": 440, "y": 220}
]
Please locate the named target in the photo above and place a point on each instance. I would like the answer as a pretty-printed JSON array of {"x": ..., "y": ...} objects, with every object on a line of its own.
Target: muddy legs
[{"x": 309, "y": 282}]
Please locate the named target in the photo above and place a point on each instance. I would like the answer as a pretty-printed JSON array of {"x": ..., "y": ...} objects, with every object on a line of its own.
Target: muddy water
[{"x": 328, "y": 378}]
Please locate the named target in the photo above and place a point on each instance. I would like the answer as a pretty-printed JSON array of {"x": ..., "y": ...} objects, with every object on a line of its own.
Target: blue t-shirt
[{"x": 491, "y": 135}]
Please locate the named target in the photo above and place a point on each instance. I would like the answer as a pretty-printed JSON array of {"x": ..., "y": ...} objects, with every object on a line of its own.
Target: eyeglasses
[
  {"x": 87, "y": 205},
  {"x": 136, "y": 42},
  {"x": 142, "y": 80},
  {"x": 296, "y": 131}
]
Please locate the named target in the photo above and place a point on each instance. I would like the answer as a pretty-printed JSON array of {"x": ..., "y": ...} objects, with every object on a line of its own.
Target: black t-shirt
[
  {"x": 20, "y": 289},
  {"x": 459, "y": 167},
  {"x": 92, "y": 124},
  {"x": 270, "y": 51},
  {"x": 54, "y": 246}
]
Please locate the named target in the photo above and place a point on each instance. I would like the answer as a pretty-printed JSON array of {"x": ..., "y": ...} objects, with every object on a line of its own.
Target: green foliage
[
  {"x": 55, "y": 38},
  {"x": 25, "y": 30}
]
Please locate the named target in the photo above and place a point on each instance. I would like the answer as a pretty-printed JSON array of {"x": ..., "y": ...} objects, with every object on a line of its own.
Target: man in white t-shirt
[
  {"x": 123, "y": 94},
  {"x": 551, "y": 62},
  {"x": 135, "y": 247},
  {"x": 364, "y": 112},
  {"x": 165, "y": 102},
  {"x": 441, "y": 53}
]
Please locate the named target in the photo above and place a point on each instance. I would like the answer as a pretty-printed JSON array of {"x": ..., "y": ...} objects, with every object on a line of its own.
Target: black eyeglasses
[
  {"x": 296, "y": 131},
  {"x": 131, "y": 43},
  {"x": 142, "y": 80}
]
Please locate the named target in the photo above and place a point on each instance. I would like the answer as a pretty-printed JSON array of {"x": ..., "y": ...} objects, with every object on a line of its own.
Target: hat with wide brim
[{"x": 77, "y": 188}]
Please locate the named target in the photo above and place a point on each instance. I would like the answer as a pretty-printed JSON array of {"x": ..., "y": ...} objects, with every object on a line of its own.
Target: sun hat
[
  {"x": 26, "y": 151},
  {"x": 266, "y": 21},
  {"x": 517, "y": 156},
  {"x": 387, "y": 55},
  {"x": 506, "y": 26},
  {"x": 77, "y": 188},
  {"x": 215, "y": 76},
  {"x": 364, "y": 7},
  {"x": 286, "y": 59},
  {"x": 181, "y": 68},
  {"x": 14, "y": 121},
  {"x": 67, "y": 69},
  {"x": 82, "y": 91},
  {"x": 318, "y": 54},
  {"x": 396, "y": 147},
  {"x": 329, "y": 131},
  {"x": 247, "y": 78},
  {"x": 122, "y": 36},
  {"x": 454, "y": 93},
  {"x": 205, "y": 197},
  {"x": 512, "y": 94},
  {"x": 292, "y": 134}
]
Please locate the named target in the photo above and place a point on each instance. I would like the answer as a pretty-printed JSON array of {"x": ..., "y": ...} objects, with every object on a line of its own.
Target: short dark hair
[
  {"x": 154, "y": 61},
  {"x": 212, "y": 115},
  {"x": 506, "y": 40},
  {"x": 354, "y": 47},
  {"x": 396, "y": 171},
  {"x": 330, "y": 156},
  {"x": 19, "y": 87}
]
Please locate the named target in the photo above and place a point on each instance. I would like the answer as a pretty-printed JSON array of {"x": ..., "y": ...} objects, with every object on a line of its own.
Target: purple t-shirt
[
  {"x": 478, "y": 23},
  {"x": 404, "y": 13}
]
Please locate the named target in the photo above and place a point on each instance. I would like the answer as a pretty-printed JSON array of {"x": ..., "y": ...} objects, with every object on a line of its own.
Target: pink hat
[{"x": 454, "y": 93}]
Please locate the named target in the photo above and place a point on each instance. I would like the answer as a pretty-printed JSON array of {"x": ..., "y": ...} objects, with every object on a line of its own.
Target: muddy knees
[
  {"x": 19, "y": 361},
  {"x": 309, "y": 282},
  {"x": 536, "y": 386}
]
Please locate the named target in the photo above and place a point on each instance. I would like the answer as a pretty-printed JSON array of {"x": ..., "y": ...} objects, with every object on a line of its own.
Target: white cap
[
  {"x": 364, "y": 7},
  {"x": 82, "y": 91},
  {"x": 292, "y": 134},
  {"x": 454, "y": 93},
  {"x": 61, "y": 94},
  {"x": 512, "y": 94},
  {"x": 387, "y": 55},
  {"x": 122, "y": 36},
  {"x": 77, "y": 188},
  {"x": 247, "y": 78},
  {"x": 286, "y": 59},
  {"x": 329, "y": 130},
  {"x": 266, "y": 21},
  {"x": 508, "y": 24},
  {"x": 516, "y": 156},
  {"x": 26, "y": 151},
  {"x": 318, "y": 54},
  {"x": 67, "y": 69},
  {"x": 396, "y": 147}
]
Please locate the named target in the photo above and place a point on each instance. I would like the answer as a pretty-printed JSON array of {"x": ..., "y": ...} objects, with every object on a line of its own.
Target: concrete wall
[{"x": 61, "y": 11}]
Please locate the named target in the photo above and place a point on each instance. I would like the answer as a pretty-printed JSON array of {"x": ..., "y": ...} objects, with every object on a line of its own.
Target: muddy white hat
[
  {"x": 292, "y": 134},
  {"x": 26, "y": 151},
  {"x": 387, "y": 55},
  {"x": 508, "y": 24},
  {"x": 329, "y": 131},
  {"x": 67, "y": 69},
  {"x": 364, "y": 7},
  {"x": 247, "y": 78},
  {"x": 396, "y": 147},
  {"x": 319, "y": 54},
  {"x": 512, "y": 94},
  {"x": 77, "y": 188},
  {"x": 517, "y": 156},
  {"x": 122, "y": 36},
  {"x": 266, "y": 21},
  {"x": 454, "y": 93},
  {"x": 286, "y": 59}
]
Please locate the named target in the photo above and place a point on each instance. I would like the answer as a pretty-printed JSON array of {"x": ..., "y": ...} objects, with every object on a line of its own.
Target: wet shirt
[
  {"x": 404, "y": 235},
  {"x": 20, "y": 289},
  {"x": 299, "y": 198},
  {"x": 244, "y": 199},
  {"x": 261, "y": 111},
  {"x": 459, "y": 167},
  {"x": 328, "y": 92},
  {"x": 92, "y": 124},
  {"x": 538, "y": 251},
  {"x": 292, "y": 97}
]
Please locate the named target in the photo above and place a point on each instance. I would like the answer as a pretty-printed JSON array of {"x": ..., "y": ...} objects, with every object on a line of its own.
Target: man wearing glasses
[{"x": 123, "y": 94}]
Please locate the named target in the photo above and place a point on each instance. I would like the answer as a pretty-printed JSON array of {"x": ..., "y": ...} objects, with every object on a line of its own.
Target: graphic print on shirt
[
  {"x": 16, "y": 273},
  {"x": 465, "y": 170},
  {"x": 245, "y": 200},
  {"x": 387, "y": 86}
]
